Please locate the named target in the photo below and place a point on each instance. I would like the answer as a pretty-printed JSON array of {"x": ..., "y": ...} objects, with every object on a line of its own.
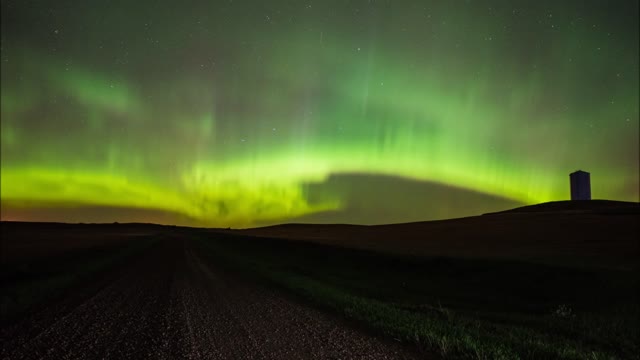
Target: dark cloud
[{"x": 380, "y": 199}]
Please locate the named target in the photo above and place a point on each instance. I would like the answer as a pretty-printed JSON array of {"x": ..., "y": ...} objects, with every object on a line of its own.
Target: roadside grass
[
  {"x": 477, "y": 309},
  {"x": 28, "y": 284}
]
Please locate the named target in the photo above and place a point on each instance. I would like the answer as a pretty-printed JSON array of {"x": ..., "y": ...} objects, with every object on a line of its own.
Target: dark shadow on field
[
  {"x": 469, "y": 284},
  {"x": 42, "y": 263},
  {"x": 497, "y": 303}
]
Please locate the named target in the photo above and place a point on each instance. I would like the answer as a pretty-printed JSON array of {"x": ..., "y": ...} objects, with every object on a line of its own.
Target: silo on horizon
[{"x": 580, "y": 185}]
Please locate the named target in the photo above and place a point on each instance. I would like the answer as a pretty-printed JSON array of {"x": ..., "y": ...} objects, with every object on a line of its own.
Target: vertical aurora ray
[{"x": 224, "y": 114}]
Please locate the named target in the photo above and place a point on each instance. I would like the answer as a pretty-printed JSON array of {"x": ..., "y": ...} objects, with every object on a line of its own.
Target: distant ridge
[
  {"x": 577, "y": 206},
  {"x": 588, "y": 233}
]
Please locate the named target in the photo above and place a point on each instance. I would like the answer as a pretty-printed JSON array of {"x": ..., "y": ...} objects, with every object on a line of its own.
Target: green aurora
[{"x": 240, "y": 113}]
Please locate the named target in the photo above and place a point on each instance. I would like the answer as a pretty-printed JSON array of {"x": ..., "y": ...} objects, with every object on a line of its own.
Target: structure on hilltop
[{"x": 580, "y": 185}]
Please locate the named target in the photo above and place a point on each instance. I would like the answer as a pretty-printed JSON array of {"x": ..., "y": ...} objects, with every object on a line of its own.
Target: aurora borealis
[{"x": 242, "y": 113}]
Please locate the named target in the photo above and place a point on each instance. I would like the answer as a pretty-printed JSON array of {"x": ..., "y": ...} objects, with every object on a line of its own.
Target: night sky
[{"x": 245, "y": 113}]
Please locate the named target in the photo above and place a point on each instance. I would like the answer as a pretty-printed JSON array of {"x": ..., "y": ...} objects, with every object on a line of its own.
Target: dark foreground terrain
[
  {"x": 554, "y": 281},
  {"x": 593, "y": 233},
  {"x": 171, "y": 304}
]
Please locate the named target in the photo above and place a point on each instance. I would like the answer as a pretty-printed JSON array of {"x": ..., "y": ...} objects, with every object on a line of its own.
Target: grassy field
[
  {"x": 459, "y": 308},
  {"x": 595, "y": 233},
  {"x": 27, "y": 282}
]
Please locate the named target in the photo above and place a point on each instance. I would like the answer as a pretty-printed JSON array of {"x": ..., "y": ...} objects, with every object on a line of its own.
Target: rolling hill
[{"x": 596, "y": 233}]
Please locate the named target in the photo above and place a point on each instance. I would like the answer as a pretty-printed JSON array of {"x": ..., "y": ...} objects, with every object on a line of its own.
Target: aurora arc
[{"x": 226, "y": 123}]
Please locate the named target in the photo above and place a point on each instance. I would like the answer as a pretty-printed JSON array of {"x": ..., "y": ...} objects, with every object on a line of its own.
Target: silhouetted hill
[
  {"x": 596, "y": 233},
  {"x": 593, "y": 206}
]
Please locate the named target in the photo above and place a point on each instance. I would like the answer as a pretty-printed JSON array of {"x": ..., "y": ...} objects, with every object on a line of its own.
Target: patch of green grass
[
  {"x": 459, "y": 308},
  {"x": 29, "y": 284}
]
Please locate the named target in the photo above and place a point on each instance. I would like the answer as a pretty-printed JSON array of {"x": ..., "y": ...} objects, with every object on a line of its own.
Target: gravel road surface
[{"x": 171, "y": 304}]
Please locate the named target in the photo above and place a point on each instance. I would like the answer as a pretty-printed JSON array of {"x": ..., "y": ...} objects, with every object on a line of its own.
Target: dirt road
[{"x": 172, "y": 304}]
